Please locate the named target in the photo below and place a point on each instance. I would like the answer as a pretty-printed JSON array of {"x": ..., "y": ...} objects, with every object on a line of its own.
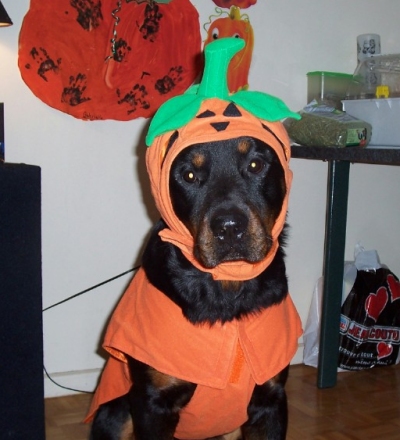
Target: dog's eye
[
  {"x": 189, "y": 176},
  {"x": 256, "y": 166}
]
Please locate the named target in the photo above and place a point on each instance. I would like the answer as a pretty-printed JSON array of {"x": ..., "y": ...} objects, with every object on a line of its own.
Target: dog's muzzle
[{"x": 231, "y": 234}]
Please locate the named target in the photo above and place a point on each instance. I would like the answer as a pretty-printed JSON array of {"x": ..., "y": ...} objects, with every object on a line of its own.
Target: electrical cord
[
  {"x": 63, "y": 386},
  {"x": 75, "y": 296},
  {"x": 91, "y": 288}
]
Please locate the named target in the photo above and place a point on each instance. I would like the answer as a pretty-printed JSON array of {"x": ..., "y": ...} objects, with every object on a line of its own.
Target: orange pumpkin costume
[{"x": 227, "y": 360}]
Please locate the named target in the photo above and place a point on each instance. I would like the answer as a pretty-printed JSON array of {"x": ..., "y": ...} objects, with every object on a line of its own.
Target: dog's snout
[{"x": 229, "y": 226}]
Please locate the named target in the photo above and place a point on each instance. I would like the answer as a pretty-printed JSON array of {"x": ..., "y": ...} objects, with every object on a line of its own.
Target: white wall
[{"x": 94, "y": 218}]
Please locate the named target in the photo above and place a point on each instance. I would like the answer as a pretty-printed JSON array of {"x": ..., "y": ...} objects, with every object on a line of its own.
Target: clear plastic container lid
[{"x": 373, "y": 72}]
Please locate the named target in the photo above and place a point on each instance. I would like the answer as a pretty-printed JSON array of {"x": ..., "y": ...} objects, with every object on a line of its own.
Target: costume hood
[{"x": 206, "y": 113}]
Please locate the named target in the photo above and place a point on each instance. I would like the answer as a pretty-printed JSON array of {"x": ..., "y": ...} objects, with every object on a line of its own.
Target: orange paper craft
[{"x": 63, "y": 46}]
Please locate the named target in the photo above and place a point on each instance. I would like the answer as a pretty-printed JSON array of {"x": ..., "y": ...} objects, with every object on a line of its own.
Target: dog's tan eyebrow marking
[
  {"x": 243, "y": 146},
  {"x": 198, "y": 160}
]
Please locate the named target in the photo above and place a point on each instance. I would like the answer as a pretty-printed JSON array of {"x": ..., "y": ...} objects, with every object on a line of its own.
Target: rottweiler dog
[
  {"x": 228, "y": 194},
  {"x": 201, "y": 340}
]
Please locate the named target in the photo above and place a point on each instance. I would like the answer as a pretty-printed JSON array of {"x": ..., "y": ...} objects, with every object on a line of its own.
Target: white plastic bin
[{"x": 382, "y": 114}]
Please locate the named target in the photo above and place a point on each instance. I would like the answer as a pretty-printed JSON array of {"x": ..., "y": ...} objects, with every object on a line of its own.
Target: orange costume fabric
[{"x": 225, "y": 360}]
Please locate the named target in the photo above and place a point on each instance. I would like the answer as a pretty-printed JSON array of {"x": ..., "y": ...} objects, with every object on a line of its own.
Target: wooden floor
[{"x": 363, "y": 406}]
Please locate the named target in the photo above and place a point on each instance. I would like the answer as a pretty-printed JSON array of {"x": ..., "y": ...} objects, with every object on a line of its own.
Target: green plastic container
[{"x": 328, "y": 87}]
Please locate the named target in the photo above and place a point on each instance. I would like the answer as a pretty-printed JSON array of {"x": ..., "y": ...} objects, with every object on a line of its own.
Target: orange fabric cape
[{"x": 225, "y": 360}]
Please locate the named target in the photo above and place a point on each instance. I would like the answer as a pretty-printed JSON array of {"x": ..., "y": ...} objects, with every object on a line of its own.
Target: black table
[{"x": 339, "y": 160}]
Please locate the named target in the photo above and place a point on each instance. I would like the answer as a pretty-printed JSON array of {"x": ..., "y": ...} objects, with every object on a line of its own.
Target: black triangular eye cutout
[
  {"x": 220, "y": 126},
  {"x": 276, "y": 137},
  {"x": 171, "y": 142},
  {"x": 206, "y": 114},
  {"x": 232, "y": 111}
]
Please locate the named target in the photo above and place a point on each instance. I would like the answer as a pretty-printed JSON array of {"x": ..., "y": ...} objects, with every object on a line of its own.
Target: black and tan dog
[{"x": 201, "y": 340}]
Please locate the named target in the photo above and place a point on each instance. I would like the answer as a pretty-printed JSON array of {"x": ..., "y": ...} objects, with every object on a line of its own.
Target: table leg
[{"x": 335, "y": 239}]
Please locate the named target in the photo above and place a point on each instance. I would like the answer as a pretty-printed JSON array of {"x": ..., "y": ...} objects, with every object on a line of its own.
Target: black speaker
[
  {"x": 21, "y": 328},
  {"x": 1, "y": 131}
]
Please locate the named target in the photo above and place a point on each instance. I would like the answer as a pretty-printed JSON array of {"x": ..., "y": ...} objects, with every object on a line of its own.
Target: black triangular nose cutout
[
  {"x": 232, "y": 111},
  {"x": 219, "y": 126},
  {"x": 206, "y": 114}
]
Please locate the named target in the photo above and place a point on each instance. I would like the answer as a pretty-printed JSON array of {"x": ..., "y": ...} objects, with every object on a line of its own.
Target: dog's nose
[{"x": 229, "y": 226}]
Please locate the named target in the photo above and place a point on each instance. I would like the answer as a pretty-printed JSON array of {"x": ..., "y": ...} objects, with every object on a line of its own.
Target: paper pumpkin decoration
[
  {"x": 243, "y": 4},
  {"x": 109, "y": 59},
  {"x": 235, "y": 25}
]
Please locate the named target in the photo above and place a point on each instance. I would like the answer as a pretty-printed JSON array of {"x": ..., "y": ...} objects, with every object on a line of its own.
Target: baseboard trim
[{"x": 83, "y": 380}]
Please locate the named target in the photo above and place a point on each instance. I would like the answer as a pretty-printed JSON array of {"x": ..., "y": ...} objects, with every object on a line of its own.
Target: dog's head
[
  {"x": 228, "y": 194},
  {"x": 221, "y": 184},
  {"x": 218, "y": 166}
]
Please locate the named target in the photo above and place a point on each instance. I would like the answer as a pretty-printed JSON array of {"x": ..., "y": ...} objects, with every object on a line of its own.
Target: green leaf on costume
[
  {"x": 173, "y": 114},
  {"x": 263, "y": 106},
  {"x": 180, "y": 110}
]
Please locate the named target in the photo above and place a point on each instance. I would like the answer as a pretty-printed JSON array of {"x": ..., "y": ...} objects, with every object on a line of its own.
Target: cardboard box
[{"x": 382, "y": 114}]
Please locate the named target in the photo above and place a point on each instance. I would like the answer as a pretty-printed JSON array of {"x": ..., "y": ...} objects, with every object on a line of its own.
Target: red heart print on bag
[
  {"x": 394, "y": 287},
  {"x": 384, "y": 350},
  {"x": 376, "y": 302}
]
